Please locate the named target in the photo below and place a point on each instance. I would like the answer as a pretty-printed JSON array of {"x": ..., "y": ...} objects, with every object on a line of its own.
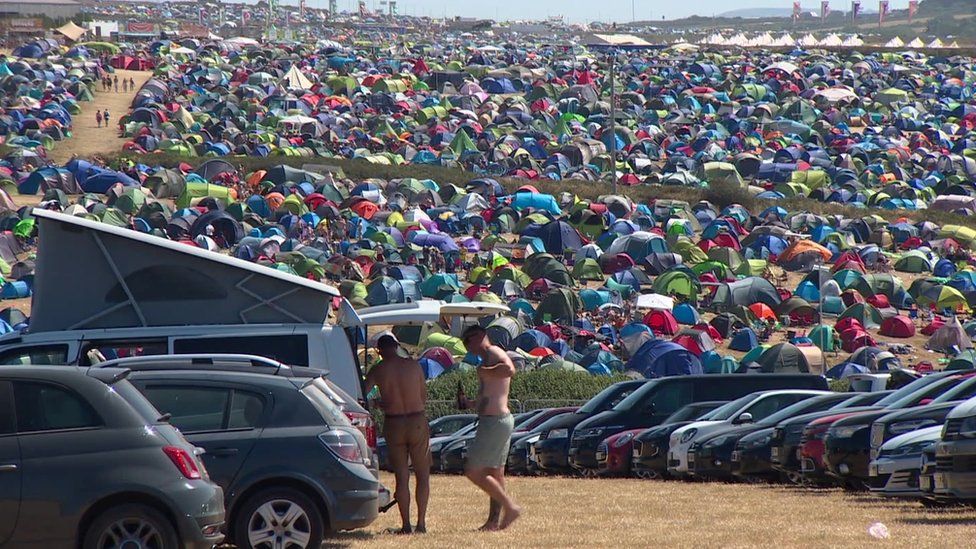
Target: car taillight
[
  {"x": 183, "y": 461},
  {"x": 343, "y": 444},
  {"x": 366, "y": 426}
]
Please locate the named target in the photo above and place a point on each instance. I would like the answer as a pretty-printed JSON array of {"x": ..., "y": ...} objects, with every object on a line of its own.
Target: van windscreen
[{"x": 610, "y": 397}]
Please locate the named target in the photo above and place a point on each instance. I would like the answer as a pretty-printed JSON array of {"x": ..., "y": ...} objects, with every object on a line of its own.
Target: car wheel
[
  {"x": 647, "y": 474},
  {"x": 135, "y": 525},
  {"x": 279, "y": 518},
  {"x": 589, "y": 472}
]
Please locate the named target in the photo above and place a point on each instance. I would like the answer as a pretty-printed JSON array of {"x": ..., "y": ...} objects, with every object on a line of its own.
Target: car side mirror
[{"x": 744, "y": 418}]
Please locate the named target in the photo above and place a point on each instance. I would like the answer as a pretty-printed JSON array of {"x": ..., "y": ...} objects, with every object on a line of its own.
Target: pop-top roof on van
[{"x": 94, "y": 275}]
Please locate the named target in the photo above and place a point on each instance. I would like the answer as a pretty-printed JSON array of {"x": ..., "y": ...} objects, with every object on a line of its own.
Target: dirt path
[{"x": 87, "y": 138}]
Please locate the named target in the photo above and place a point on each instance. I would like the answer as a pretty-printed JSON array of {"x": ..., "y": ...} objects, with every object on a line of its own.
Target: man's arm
[{"x": 503, "y": 366}]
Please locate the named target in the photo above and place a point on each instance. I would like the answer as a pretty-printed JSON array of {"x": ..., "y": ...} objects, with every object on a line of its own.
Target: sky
[{"x": 579, "y": 11}]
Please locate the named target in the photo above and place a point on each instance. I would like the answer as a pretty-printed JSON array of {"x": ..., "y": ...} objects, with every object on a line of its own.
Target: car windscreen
[
  {"x": 963, "y": 391},
  {"x": 725, "y": 412},
  {"x": 613, "y": 396},
  {"x": 551, "y": 423},
  {"x": 804, "y": 406},
  {"x": 317, "y": 392},
  {"x": 690, "y": 412},
  {"x": 864, "y": 399},
  {"x": 907, "y": 390},
  {"x": 931, "y": 390},
  {"x": 137, "y": 401}
]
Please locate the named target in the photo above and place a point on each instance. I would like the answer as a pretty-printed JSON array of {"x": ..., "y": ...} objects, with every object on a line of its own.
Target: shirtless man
[
  {"x": 489, "y": 450},
  {"x": 403, "y": 394}
]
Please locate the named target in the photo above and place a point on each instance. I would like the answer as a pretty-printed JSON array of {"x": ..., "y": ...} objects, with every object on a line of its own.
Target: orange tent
[
  {"x": 803, "y": 246},
  {"x": 762, "y": 311}
]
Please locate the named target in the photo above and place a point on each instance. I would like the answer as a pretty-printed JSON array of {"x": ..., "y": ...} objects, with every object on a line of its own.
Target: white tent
[
  {"x": 808, "y": 40},
  {"x": 895, "y": 42},
  {"x": 831, "y": 40},
  {"x": 917, "y": 43},
  {"x": 785, "y": 66},
  {"x": 853, "y": 41},
  {"x": 954, "y": 44},
  {"x": 836, "y": 95},
  {"x": 936, "y": 44},
  {"x": 294, "y": 79}
]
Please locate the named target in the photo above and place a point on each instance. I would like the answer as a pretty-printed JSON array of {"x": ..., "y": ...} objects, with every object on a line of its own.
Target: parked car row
[
  {"x": 181, "y": 450},
  {"x": 916, "y": 441}
]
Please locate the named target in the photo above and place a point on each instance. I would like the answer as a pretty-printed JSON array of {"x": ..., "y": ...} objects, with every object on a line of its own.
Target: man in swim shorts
[
  {"x": 403, "y": 398},
  {"x": 489, "y": 450}
]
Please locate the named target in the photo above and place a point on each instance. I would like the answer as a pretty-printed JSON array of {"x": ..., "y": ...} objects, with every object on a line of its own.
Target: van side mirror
[{"x": 744, "y": 418}]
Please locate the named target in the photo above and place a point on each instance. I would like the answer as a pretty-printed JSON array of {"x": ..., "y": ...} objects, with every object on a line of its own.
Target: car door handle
[
  {"x": 223, "y": 452},
  {"x": 9, "y": 468}
]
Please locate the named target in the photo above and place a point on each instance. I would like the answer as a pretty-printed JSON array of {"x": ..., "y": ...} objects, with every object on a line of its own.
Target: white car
[
  {"x": 752, "y": 407},
  {"x": 895, "y": 472}
]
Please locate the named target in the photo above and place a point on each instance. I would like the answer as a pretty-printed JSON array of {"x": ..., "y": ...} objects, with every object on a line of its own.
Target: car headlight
[
  {"x": 624, "y": 440},
  {"x": 911, "y": 425},
  {"x": 558, "y": 433},
  {"x": 717, "y": 441},
  {"x": 758, "y": 442},
  {"x": 596, "y": 432},
  {"x": 688, "y": 435},
  {"x": 845, "y": 431},
  {"x": 910, "y": 449},
  {"x": 968, "y": 427}
]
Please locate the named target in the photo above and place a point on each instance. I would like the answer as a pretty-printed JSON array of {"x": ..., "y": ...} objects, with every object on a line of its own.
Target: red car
[
  {"x": 812, "y": 447},
  {"x": 614, "y": 454}
]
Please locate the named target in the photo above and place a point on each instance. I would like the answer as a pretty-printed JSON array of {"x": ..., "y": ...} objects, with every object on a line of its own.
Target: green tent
[
  {"x": 913, "y": 262},
  {"x": 677, "y": 282},
  {"x": 865, "y": 313},
  {"x": 587, "y": 269},
  {"x": 825, "y": 337},
  {"x": 560, "y": 304}
]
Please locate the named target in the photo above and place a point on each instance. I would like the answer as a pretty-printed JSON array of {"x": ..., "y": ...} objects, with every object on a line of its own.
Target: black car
[
  {"x": 714, "y": 453},
  {"x": 438, "y": 444},
  {"x": 650, "y": 452},
  {"x": 847, "y": 443},
  {"x": 912, "y": 419},
  {"x": 551, "y": 452},
  {"x": 519, "y": 451},
  {"x": 658, "y": 398},
  {"x": 243, "y": 416},
  {"x": 784, "y": 445}
]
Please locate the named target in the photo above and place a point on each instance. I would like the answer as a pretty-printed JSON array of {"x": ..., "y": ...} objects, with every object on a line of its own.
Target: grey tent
[{"x": 746, "y": 292}]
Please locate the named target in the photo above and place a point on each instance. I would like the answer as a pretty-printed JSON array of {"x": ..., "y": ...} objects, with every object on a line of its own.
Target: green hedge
[{"x": 530, "y": 390}]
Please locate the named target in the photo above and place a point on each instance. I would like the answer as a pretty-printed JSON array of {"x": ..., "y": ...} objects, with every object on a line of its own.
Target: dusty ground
[
  {"x": 571, "y": 512},
  {"x": 87, "y": 138}
]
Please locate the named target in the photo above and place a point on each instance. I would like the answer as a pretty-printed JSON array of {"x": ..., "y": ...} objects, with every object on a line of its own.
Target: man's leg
[
  {"x": 494, "y": 513},
  {"x": 420, "y": 457},
  {"x": 401, "y": 470},
  {"x": 481, "y": 477}
]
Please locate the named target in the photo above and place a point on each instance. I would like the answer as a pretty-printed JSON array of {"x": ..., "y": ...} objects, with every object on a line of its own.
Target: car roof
[{"x": 64, "y": 373}]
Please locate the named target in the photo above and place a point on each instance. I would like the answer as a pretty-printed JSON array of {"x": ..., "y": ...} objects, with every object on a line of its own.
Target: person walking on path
[
  {"x": 489, "y": 450},
  {"x": 125, "y": 86},
  {"x": 108, "y": 117},
  {"x": 116, "y": 83},
  {"x": 98, "y": 118},
  {"x": 132, "y": 84},
  {"x": 403, "y": 398}
]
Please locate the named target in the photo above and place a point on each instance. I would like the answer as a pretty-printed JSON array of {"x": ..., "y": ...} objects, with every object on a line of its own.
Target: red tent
[
  {"x": 710, "y": 330},
  {"x": 936, "y": 323},
  {"x": 763, "y": 311},
  {"x": 880, "y": 301},
  {"x": 661, "y": 322},
  {"x": 898, "y": 326},
  {"x": 849, "y": 322},
  {"x": 855, "y": 342}
]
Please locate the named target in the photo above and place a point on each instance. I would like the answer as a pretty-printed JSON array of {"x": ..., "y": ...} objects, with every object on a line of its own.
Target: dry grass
[
  {"x": 87, "y": 138},
  {"x": 569, "y": 512}
]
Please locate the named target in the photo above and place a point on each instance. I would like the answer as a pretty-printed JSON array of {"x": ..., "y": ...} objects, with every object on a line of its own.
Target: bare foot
[
  {"x": 420, "y": 529},
  {"x": 490, "y": 526},
  {"x": 510, "y": 517}
]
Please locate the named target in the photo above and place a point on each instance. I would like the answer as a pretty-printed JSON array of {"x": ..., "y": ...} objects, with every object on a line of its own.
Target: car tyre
[
  {"x": 133, "y": 523},
  {"x": 282, "y": 515}
]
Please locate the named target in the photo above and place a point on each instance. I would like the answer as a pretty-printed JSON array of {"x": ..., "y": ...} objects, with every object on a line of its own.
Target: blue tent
[
  {"x": 744, "y": 340},
  {"x": 530, "y": 339},
  {"x": 658, "y": 358},
  {"x": 845, "y": 369},
  {"x": 944, "y": 268},
  {"x": 559, "y": 236},
  {"x": 684, "y": 313},
  {"x": 537, "y": 201}
]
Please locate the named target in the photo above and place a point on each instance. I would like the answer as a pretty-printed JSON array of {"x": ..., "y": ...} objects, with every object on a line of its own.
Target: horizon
[{"x": 576, "y": 11}]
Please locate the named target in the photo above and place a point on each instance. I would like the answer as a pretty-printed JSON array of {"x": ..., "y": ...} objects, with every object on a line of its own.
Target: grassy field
[{"x": 570, "y": 512}]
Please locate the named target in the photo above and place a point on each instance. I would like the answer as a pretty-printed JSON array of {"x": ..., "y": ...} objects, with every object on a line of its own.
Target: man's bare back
[{"x": 403, "y": 389}]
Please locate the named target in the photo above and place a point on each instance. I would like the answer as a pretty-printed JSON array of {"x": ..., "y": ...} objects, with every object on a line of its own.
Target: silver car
[{"x": 895, "y": 472}]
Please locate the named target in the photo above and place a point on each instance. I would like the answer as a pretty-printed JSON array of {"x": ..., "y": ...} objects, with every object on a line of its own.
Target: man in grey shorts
[{"x": 489, "y": 450}]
